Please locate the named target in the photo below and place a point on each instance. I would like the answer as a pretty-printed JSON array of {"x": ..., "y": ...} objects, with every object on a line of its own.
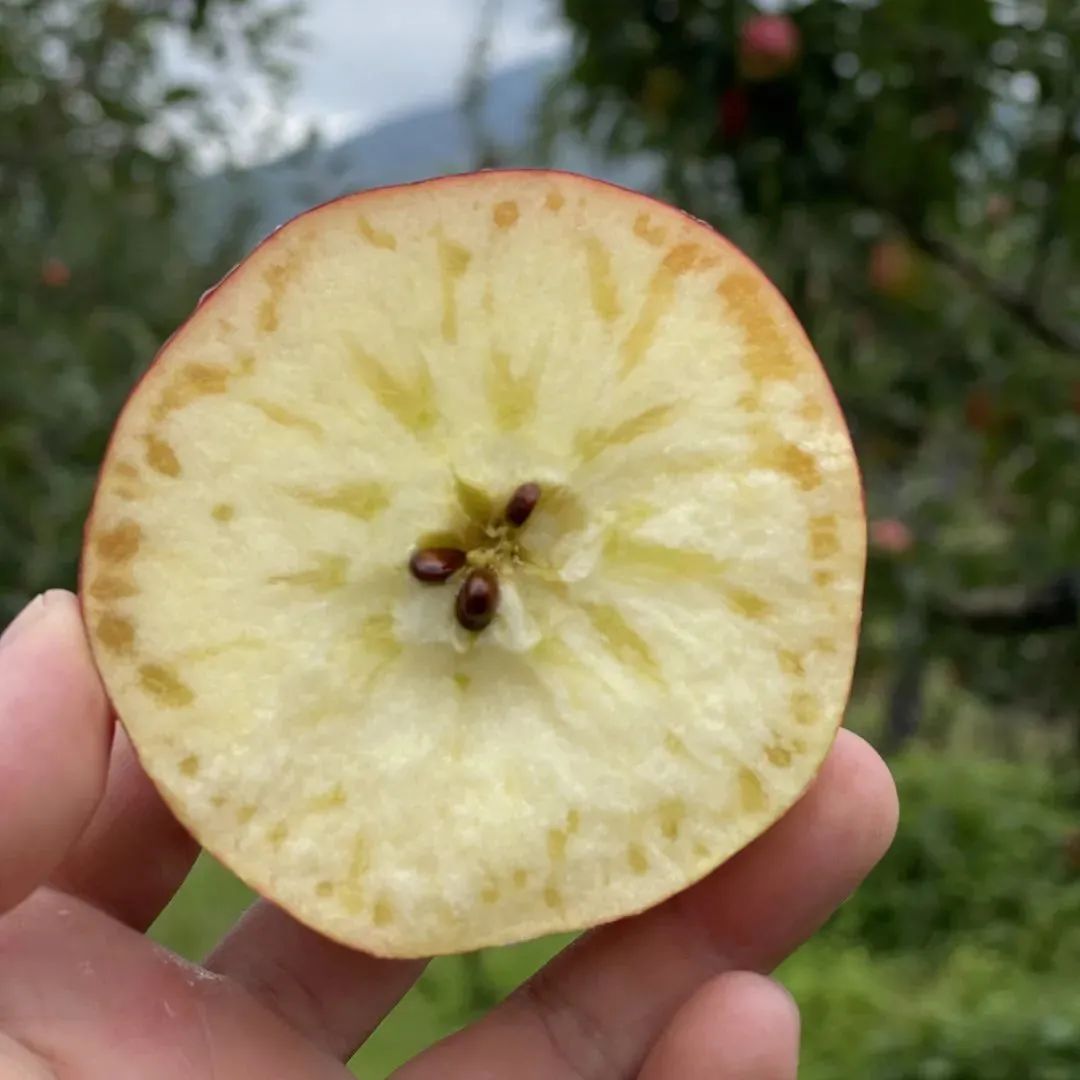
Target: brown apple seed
[
  {"x": 477, "y": 600},
  {"x": 522, "y": 503},
  {"x": 435, "y": 565}
]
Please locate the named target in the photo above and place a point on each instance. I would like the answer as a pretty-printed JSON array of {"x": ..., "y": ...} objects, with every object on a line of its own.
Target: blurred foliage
[
  {"x": 908, "y": 172},
  {"x": 96, "y": 267},
  {"x": 957, "y": 958},
  {"x": 986, "y": 854}
]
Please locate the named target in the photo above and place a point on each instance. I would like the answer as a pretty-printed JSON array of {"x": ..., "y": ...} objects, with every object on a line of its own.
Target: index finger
[{"x": 55, "y": 731}]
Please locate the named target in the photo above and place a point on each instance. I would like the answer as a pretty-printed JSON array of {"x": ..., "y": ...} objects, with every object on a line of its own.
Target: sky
[{"x": 369, "y": 60}]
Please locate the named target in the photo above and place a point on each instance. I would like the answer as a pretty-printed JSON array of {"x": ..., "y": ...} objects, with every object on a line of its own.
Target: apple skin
[
  {"x": 769, "y": 47},
  {"x": 361, "y": 198}
]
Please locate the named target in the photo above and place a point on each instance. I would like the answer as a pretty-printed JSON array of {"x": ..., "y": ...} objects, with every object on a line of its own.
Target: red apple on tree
[
  {"x": 55, "y": 273},
  {"x": 769, "y": 47},
  {"x": 893, "y": 269},
  {"x": 482, "y": 559},
  {"x": 891, "y": 536}
]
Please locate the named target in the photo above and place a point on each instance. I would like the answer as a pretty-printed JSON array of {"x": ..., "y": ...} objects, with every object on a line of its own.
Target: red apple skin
[
  {"x": 360, "y": 199},
  {"x": 769, "y": 47}
]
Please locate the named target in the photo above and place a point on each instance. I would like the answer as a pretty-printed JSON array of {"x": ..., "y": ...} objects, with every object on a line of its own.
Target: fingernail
[{"x": 30, "y": 615}]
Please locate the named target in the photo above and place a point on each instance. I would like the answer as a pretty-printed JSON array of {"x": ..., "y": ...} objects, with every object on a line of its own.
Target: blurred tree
[
  {"x": 96, "y": 142},
  {"x": 908, "y": 171}
]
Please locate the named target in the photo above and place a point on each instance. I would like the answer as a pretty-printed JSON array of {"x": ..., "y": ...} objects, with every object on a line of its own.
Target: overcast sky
[
  {"x": 372, "y": 58},
  {"x": 367, "y": 60}
]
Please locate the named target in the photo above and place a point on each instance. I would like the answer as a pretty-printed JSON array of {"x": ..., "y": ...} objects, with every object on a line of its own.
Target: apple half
[{"x": 671, "y": 616}]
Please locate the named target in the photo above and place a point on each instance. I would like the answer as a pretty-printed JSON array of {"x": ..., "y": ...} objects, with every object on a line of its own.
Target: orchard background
[{"x": 908, "y": 172}]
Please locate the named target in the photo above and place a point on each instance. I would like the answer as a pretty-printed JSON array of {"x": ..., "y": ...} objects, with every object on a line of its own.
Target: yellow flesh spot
[
  {"x": 161, "y": 457},
  {"x": 649, "y": 559},
  {"x": 410, "y": 400},
  {"x": 162, "y": 683},
  {"x": 115, "y": 633},
  {"x": 453, "y": 262},
  {"x": 361, "y": 499},
  {"x": 672, "y": 813},
  {"x": 636, "y": 859},
  {"x": 751, "y": 793},
  {"x": 658, "y": 301},
  {"x": 767, "y": 354},
  {"x": 512, "y": 397},
  {"x": 376, "y": 237},
  {"x": 106, "y": 588},
  {"x": 621, "y": 639},
  {"x": 192, "y": 382},
  {"x": 590, "y": 443},
  {"x": 327, "y": 575},
  {"x": 288, "y": 418},
  {"x": 651, "y": 234},
  {"x": 602, "y": 290},
  {"x": 119, "y": 544},
  {"x": 505, "y": 214},
  {"x": 824, "y": 543},
  {"x": 778, "y": 455}
]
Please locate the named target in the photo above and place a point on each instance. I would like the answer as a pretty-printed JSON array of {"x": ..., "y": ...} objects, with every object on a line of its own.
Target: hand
[{"x": 89, "y": 856}]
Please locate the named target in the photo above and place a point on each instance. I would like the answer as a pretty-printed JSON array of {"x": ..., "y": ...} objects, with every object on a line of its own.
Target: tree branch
[
  {"x": 1015, "y": 301},
  {"x": 1053, "y": 606},
  {"x": 1056, "y": 176}
]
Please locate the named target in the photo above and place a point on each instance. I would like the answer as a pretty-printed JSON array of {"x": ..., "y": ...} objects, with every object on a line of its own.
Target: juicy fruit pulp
[{"x": 675, "y": 628}]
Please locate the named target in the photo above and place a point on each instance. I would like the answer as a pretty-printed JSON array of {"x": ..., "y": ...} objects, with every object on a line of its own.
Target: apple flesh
[{"x": 677, "y": 597}]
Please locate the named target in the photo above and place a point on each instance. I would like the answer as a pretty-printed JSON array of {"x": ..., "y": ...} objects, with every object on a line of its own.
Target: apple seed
[
  {"x": 435, "y": 565},
  {"x": 477, "y": 600},
  {"x": 522, "y": 503}
]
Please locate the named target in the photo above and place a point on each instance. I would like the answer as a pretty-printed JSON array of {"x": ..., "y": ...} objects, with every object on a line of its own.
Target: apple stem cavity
[
  {"x": 477, "y": 600},
  {"x": 433, "y": 566},
  {"x": 522, "y": 503}
]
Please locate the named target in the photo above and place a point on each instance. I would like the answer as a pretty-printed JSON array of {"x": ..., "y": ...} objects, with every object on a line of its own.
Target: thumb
[{"x": 55, "y": 730}]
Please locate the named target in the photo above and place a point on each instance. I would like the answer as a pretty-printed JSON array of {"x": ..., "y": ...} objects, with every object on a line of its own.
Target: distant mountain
[{"x": 428, "y": 142}]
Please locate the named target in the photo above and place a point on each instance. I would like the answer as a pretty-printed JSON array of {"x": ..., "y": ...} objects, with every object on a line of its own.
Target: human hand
[{"x": 90, "y": 855}]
